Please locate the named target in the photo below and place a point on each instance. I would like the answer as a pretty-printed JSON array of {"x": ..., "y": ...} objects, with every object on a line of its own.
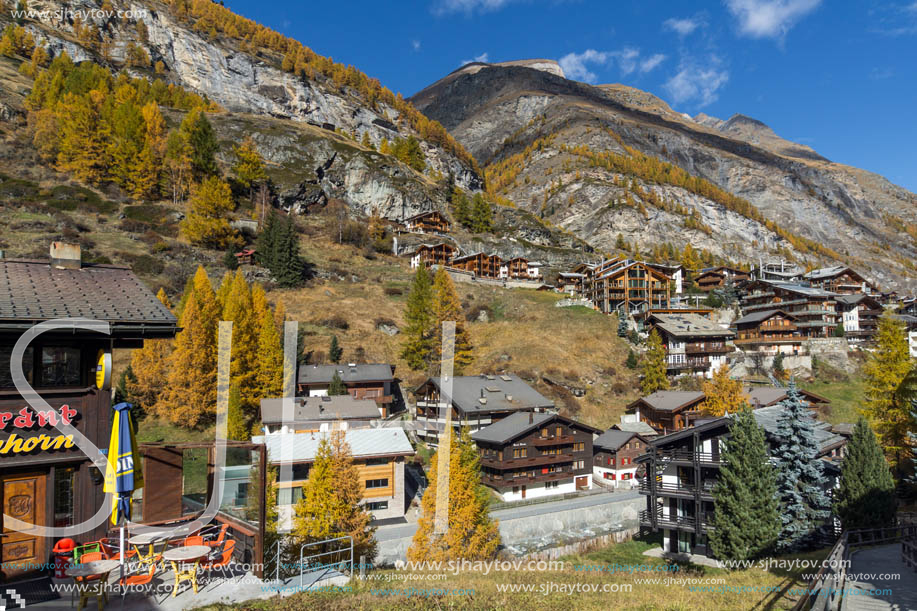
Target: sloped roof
[
  {"x": 689, "y": 325},
  {"x": 502, "y": 392},
  {"x": 768, "y": 417},
  {"x": 613, "y": 439},
  {"x": 768, "y": 395},
  {"x": 670, "y": 400},
  {"x": 828, "y": 272},
  {"x": 368, "y": 372},
  {"x": 338, "y": 407},
  {"x": 637, "y": 427},
  {"x": 761, "y": 316},
  {"x": 32, "y": 291},
  {"x": 363, "y": 443},
  {"x": 520, "y": 423}
]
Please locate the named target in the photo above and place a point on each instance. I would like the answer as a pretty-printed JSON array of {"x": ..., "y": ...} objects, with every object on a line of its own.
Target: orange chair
[
  {"x": 91, "y": 585},
  {"x": 193, "y": 540},
  {"x": 139, "y": 579},
  {"x": 111, "y": 548},
  {"x": 220, "y": 537},
  {"x": 223, "y": 560}
]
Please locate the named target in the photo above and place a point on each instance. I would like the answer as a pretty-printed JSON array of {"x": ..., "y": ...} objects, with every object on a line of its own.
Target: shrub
[
  {"x": 393, "y": 290},
  {"x": 335, "y": 322}
]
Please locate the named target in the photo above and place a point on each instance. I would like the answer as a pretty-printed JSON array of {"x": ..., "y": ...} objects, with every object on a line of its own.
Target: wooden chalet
[
  {"x": 480, "y": 264},
  {"x": 631, "y": 286},
  {"x": 246, "y": 257},
  {"x": 676, "y": 272},
  {"x": 476, "y": 402},
  {"x": 45, "y": 478},
  {"x": 860, "y": 314},
  {"x": 570, "y": 283},
  {"x": 432, "y": 254},
  {"x": 428, "y": 222},
  {"x": 766, "y": 396},
  {"x": 718, "y": 277},
  {"x": 667, "y": 410},
  {"x": 363, "y": 381},
  {"x": 516, "y": 268},
  {"x": 614, "y": 457},
  {"x": 814, "y": 308},
  {"x": 531, "y": 455},
  {"x": 694, "y": 344},
  {"x": 840, "y": 279},
  {"x": 772, "y": 331}
]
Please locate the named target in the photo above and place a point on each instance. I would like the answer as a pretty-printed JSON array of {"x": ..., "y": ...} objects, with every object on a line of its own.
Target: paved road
[
  {"x": 400, "y": 531},
  {"x": 878, "y": 560}
]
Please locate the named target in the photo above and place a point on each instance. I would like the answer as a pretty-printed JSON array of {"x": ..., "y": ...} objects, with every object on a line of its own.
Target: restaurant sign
[{"x": 25, "y": 420}]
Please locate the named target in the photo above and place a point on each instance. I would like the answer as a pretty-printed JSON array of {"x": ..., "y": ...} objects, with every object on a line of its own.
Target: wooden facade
[
  {"x": 517, "y": 268},
  {"x": 841, "y": 280},
  {"x": 814, "y": 308},
  {"x": 631, "y": 286},
  {"x": 428, "y": 222},
  {"x": 432, "y": 254},
  {"x": 768, "y": 331},
  {"x": 667, "y": 411},
  {"x": 615, "y": 455},
  {"x": 480, "y": 264}
]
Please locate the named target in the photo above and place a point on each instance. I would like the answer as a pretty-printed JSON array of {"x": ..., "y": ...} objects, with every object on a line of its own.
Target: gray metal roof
[
  {"x": 760, "y": 316},
  {"x": 801, "y": 289},
  {"x": 689, "y": 325},
  {"x": 34, "y": 290},
  {"x": 827, "y": 272},
  {"x": 363, "y": 443},
  {"x": 637, "y": 427},
  {"x": 490, "y": 393},
  {"x": 768, "y": 395},
  {"x": 767, "y": 418},
  {"x": 322, "y": 374},
  {"x": 612, "y": 439},
  {"x": 671, "y": 400},
  {"x": 339, "y": 407}
]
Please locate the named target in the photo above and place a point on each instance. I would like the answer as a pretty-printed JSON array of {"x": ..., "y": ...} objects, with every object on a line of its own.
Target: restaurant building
[{"x": 44, "y": 478}]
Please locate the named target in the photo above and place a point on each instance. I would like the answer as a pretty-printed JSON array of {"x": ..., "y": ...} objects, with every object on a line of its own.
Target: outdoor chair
[
  {"x": 139, "y": 579},
  {"x": 221, "y": 535},
  {"x": 111, "y": 549},
  {"x": 222, "y": 560},
  {"x": 193, "y": 540},
  {"x": 85, "y": 592}
]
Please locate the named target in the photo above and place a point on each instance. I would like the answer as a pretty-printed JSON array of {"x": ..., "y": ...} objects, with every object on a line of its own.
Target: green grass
[{"x": 846, "y": 397}]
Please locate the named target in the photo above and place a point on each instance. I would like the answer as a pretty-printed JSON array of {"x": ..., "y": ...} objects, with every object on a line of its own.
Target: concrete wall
[{"x": 540, "y": 490}]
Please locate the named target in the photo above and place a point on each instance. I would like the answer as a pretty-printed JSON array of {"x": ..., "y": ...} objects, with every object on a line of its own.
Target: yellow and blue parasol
[{"x": 121, "y": 478}]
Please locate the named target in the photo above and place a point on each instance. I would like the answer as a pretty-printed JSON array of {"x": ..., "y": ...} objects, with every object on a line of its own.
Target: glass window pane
[
  {"x": 6, "y": 377},
  {"x": 60, "y": 366}
]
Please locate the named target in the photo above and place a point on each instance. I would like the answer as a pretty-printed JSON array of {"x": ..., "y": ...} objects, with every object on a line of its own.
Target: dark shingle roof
[
  {"x": 500, "y": 393},
  {"x": 322, "y": 374},
  {"x": 613, "y": 439},
  {"x": 636, "y": 427},
  {"x": 760, "y": 316},
  {"x": 339, "y": 407},
  {"x": 34, "y": 291},
  {"x": 670, "y": 400},
  {"x": 768, "y": 395},
  {"x": 520, "y": 423}
]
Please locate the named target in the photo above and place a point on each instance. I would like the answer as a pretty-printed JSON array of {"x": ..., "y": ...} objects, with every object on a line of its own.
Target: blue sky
[{"x": 839, "y": 76}]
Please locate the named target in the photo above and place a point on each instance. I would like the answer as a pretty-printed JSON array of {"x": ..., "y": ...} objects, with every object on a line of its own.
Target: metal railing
[{"x": 285, "y": 548}]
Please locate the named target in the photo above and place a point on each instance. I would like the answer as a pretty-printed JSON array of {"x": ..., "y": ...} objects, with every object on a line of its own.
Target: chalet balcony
[
  {"x": 706, "y": 348},
  {"x": 498, "y": 481},
  {"x": 553, "y": 440},
  {"x": 678, "y": 488},
  {"x": 684, "y": 522},
  {"x": 687, "y": 456},
  {"x": 521, "y": 463},
  {"x": 689, "y": 363}
]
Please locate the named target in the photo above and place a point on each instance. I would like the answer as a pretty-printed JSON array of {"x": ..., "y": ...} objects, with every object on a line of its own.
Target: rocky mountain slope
[{"x": 542, "y": 138}]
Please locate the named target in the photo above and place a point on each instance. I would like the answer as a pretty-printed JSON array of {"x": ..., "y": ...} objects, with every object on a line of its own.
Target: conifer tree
[
  {"x": 866, "y": 493},
  {"x": 288, "y": 265},
  {"x": 249, "y": 166},
  {"x": 202, "y": 141},
  {"x": 461, "y": 207},
  {"x": 885, "y": 370},
  {"x": 355, "y": 519},
  {"x": 336, "y": 387},
  {"x": 631, "y": 361},
  {"x": 622, "y": 324},
  {"x": 482, "y": 215},
  {"x": 446, "y": 306},
  {"x": 237, "y": 427},
  {"x": 472, "y": 533},
  {"x": 82, "y": 149},
  {"x": 418, "y": 316},
  {"x": 206, "y": 223},
  {"x": 266, "y": 241},
  {"x": 270, "y": 353},
  {"x": 335, "y": 352},
  {"x": 243, "y": 368},
  {"x": 149, "y": 367},
  {"x": 745, "y": 518},
  {"x": 723, "y": 395},
  {"x": 801, "y": 482},
  {"x": 654, "y": 366},
  {"x": 177, "y": 163}
]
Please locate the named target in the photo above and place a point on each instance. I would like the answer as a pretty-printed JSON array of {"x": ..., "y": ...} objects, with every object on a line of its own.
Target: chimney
[{"x": 65, "y": 256}]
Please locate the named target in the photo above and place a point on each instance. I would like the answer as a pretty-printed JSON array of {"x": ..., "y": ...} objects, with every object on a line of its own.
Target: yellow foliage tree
[
  {"x": 206, "y": 223},
  {"x": 446, "y": 306},
  {"x": 269, "y": 381},
  {"x": 149, "y": 366},
  {"x": 471, "y": 534},
  {"x": 244, "y": 365},
  {"x": 723, "y": 394}
]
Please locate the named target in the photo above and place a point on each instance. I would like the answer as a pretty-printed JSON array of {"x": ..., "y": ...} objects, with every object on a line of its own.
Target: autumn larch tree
[
  {"x": 206, "y": 223},
  {"x": 654, "y": 366},
  {"x": 149, "y": 367},
  {"x": 243, "y": 372},
  {"x": 270, "y": 350},
  {"x": 885, "y": 370},
  {"x": 418, "y": 316},
  {"x": 723, "y": 395},
  {"x": 249, "y": 166},
  {"x": 446, "y": 307},
  {"x": 472, "y": 534},
  {"x": 745, "y": 518}
]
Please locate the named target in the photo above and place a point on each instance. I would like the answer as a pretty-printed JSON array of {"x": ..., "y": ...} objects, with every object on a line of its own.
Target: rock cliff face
[
  {"x": 497, "y": 111},
  {"x": 255, "y": 85}
]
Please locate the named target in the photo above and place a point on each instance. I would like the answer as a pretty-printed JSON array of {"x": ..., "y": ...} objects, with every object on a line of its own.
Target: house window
[
  {"x": 579, "y": 447},
  {"x": 550, "y": 451},
  {"x": 544, "y": 432},
  {"x": 560, "y": 431},
  {"x": 377, "y": 506},
  {"x": 578, "y": 464},
  {"x": 377, "y": 483},
  {"x": 549, "y": 485},
  {"x": 626, "y": 476},
  {"x": 611, "y": 461},
  {"x": 60, "y": 366},
  {"x": 519, "y": 453},
  {"x": 611, "y": 475},
  {"x": 376, "y": 462}
]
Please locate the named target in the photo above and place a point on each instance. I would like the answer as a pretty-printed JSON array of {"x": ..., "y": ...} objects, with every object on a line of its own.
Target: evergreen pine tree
[
  {"x": 482, "y": 215},
  {"x": 418, "y": 316},
  {"x": 461, "y": 208},
  {"x": 801, "y": 482},
  {"x": 866, "y": 493},
  {"x": 654, "y": 377},
  {"x": 631, "y": 361},
  {"x": 267, "y": 239},
  {"x": 335, "y": 352},
  {"x": 745, "y": 518},
  {"x": 336, "y": 387},
  {"x": 446, "y": 306},
  {"x": 202, "y": 141},
  {"x": 622, "y": 324},
  {"x": 472, "y": 534},
  {"x": 289, "y": 266}
]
